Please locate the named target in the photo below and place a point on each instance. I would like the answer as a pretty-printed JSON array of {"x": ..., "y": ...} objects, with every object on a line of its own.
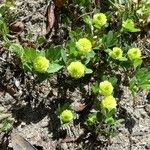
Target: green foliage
[
  {"x": 17, "y": 48},
  {"x": 4, "y": 9},
  {"x": 129, "y": 26},
  {"x": 141, "y": 80},
  {"x": 110, "y": 39},
  {"x": 6, "y": 120},
  {"x": 100, "y": 46},
  {"x": 28, "y": 57}
]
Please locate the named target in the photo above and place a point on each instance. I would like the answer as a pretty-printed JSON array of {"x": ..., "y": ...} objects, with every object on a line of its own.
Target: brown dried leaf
[
  {"x": 17, "y": 27},
  {"x": 59, "y": 3},
  {"x": 50, "y": 17},
  {"x": 78, "y": 107},
  {"x": 68, "y": 139},
  {"x": 19, "y": 143},
  {"x": 29, "y": 44}
]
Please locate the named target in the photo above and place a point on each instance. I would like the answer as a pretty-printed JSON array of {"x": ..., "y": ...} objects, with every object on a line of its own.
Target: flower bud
[
  {"x": 66, "y": 116},
  {"x": 84, "y": 46},
  {"x": 109, "y": 103},
  {"x": 134, "y": 53},
  {"x": 116, "y": 53},
  {"x": 76, "y": 69},
  {"x": 41, "y": 64},
  {"x": 99, "y": 20},
  {"x": 105, "y": 88}
]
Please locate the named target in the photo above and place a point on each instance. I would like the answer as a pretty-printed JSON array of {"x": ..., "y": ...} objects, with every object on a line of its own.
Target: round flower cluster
[
  {"x": 99, "y": 20},
  {"x": 105, "y": 88},
  {"x": 41, "y": 64},
  {"x": 109, "y": 103},
  {"x": 84, "y": 46},
  {"x": 66, "y": 116},
  {"x": 76, "y": 69},
  {"x": 116, "y": 53},
  {"x": 134, "y": 53}
]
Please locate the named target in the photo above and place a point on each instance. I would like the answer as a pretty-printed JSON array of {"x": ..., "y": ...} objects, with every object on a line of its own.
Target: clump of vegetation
[
  {"x": 101, "y": 49},
  {"x": 6, "y": 120}
]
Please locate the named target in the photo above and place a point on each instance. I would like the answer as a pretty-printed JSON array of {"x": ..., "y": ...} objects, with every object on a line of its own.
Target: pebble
[
  {"x": 147, "y": 146},
  {"x": 147, "y": 109}
]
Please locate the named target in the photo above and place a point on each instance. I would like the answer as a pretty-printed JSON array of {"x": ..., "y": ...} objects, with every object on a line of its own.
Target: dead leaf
[
  {"x": 29, "y": 44},
  {"x": 19, "y": 143},
  {"x": 59, "y": 3},
  {"x": 68, "y": 139},
  {"x": 50, "y": 17},
  {"x": 78, "y": 107},
  {"x": 17, "y": 27}
]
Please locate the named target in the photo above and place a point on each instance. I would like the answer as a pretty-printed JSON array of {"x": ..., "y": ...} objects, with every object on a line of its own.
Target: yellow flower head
[
  {"x": 105, "y": 88},
  {"x": 109, "y": 103},
  {"x": 41, "y": 64},
  {"x": 134, "y": 53},
  {"x": 116, "y": 53},
  {"x": 84, "y": 46},
  {"x": 99, "y": 20},
  {"x": 66, "y": 116},
  {"x": 76, "y": 69}
]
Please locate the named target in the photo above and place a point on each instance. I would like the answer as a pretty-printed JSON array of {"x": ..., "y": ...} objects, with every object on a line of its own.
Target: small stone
[
  {"x": 44, "y": 124},
  {"x": 147, "y": 109},
  {"x": 64, "y": 146},
  {"x": 147, "y": 146}
]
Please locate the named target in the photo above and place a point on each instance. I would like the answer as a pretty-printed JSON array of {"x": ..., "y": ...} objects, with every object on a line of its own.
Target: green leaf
[
  {"x": 141, "y": 79},
  {"x": 137, "y": 62},
  {"x": 54, "y": 68},
  {"x": 87, "y": 19},
  {"x": 17, "y": 48},
  {"x": 64, "y": 55},
  {"x": 129, "y": 26},
  {"x": 95, "y": 87},
  {"x": 71, "y": 47},
  {"x": 145, "y": 86},
  {"x": 88, "y": 71},
  {"x": 88, "y": 57},
  {"x": 30, "y": 54},
  {"x": 53, "y": 54},
  {"x": 7, "y": 125},
  {"x": 123, "y": 59},
  {"x": 27, "y": 66},
  {"x": 110, "y": 121},
  {"x": 41, "y": 40},
  {"x": 3, "y": 27},
  {"x": 143, "y": 75},
  {"x": 63, "y": 107},
  {"x": 113, "y": 80},
  {"x": 133, "y": 85},
  {"x": 110, "y": 39}
]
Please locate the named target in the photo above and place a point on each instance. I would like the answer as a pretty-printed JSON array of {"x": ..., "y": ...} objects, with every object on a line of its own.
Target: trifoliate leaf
[
  {"x": 54, "y": 68},
  {"x": 17, "y": 48}
]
